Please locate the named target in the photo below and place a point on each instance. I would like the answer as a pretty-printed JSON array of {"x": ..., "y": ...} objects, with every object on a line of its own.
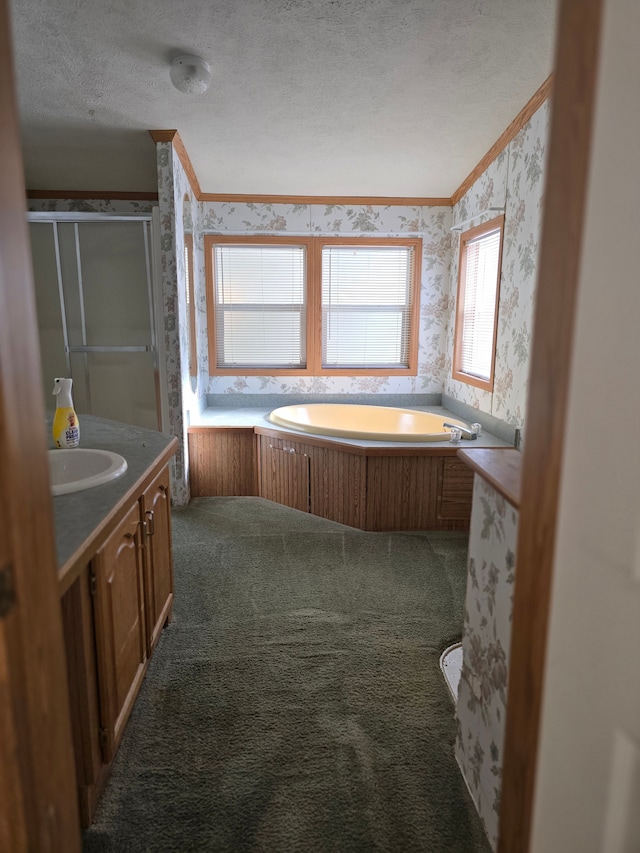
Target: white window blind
[
  {"x": 260, "y": 306},
  {"x": 366, "y": 306},
  {"x": 481, "y": 259}
]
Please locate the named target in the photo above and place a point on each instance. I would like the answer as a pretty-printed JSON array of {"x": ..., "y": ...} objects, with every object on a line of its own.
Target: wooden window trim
[
  {"x": 314, "y": 246},
  {"x": 465, "y": 238}
]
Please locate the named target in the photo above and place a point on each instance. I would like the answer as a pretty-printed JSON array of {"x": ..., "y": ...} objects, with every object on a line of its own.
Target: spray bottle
[{"x": 66, "y": 428}]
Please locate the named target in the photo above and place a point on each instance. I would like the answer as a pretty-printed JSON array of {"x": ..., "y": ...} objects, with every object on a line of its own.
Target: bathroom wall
[
  {"x": 172, "y": 186},
  {"x": 514, "y": 180},
  {"x": 482, "y": 695},
  {"x": 430, "y": 223}
]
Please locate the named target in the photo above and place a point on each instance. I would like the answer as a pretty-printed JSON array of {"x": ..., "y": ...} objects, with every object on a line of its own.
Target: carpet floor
[{"x": 295, "y": 703}]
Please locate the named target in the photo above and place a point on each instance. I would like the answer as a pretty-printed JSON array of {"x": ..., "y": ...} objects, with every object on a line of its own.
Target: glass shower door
[{"x": 106, "y": 315}]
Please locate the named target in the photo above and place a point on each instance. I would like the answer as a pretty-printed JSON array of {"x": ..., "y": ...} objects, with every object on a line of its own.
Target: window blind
[
  {"x": 260, "y": 306},
  {"x": 481, "y": 258},
  {"x": 366, "y": 306}
]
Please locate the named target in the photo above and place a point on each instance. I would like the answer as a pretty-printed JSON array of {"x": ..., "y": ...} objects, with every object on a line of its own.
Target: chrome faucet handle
[{"x": 468, "y": 434}]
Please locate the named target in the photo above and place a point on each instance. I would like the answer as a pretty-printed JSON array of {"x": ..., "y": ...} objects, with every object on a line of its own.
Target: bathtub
[{"x": 377, "y": 423}]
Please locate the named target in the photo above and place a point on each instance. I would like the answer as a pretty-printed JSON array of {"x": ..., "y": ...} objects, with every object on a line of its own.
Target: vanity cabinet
[
  {"x": 113, "y": 615},
  {"x": 117, "y": 578},
  {"x": 158, "y": 565}
]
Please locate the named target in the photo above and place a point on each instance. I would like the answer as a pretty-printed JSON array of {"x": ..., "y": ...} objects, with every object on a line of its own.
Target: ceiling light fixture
[{"x": 190, "y": 74}]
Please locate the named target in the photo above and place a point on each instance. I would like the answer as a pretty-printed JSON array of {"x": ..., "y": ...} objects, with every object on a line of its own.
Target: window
[
  {"x": 260, "y": 306},
  {"x": 312, "y": 305},
  {"x": 477, "y": 304},
  {"x": 366, "y": 306}
]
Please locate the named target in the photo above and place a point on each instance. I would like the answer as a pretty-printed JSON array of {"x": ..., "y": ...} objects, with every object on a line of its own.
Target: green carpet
[{"x": 295, "y": 703}]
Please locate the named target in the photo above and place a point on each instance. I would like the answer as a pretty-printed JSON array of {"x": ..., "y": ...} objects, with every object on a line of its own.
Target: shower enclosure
[{"x": 97, "y": 312}]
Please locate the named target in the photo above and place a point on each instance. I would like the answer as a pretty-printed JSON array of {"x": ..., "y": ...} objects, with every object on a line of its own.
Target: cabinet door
[
  {"x": 338, "y": 486},
  {"x": 284, "y": 473},
  {"x": 120, "y": 626},
  {"x": 79, "y": 639},
  {"x": 158, "y": 564}
]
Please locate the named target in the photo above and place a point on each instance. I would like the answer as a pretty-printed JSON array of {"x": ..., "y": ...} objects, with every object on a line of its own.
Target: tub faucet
[{"x": 465, "y": 432}]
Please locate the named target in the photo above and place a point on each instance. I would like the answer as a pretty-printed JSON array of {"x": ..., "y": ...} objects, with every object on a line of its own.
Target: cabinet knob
[{"x": 151, "y": 525}]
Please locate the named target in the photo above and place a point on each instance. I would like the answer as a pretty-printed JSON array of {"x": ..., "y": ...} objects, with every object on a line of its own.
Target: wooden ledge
[{"x": 500, "y": 467}]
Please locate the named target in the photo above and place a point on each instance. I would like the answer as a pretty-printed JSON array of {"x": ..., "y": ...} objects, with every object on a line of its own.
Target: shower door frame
[{"x": 151, "y": 244}]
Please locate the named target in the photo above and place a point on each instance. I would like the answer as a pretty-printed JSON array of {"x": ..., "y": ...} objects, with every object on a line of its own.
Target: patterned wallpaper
[
  {"x": 430, "y": 223},
  {"x": 84, "y": 205},
  {"x": 482, "y": 695},
  {"x": 172, "y": 186},
  {"x": 514, "y": 180}
]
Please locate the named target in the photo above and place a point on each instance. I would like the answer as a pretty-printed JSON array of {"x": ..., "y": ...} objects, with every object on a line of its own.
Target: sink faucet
[{"x": 467, "y": 433}]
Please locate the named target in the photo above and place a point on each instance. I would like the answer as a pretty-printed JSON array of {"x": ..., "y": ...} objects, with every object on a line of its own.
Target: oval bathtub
[{"x": 375, "y": 423}]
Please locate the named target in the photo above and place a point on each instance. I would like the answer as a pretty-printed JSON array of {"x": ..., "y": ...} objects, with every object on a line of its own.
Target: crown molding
[{"x": 412, "y": 201}]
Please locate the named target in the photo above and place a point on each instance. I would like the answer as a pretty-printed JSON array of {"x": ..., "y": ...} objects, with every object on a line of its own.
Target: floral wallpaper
[
  {"x": 185, "y": 208},
  {"x": 84, "y": 205},
  {"x": 514, "y": 180},
  {"x": 170, "y": 256},
  {"x": 430, "y": 223},
  {"x": 482, "y": 695}
]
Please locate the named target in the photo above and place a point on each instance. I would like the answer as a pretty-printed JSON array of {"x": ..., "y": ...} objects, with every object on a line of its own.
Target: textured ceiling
[{"x": 313, "y": 97}]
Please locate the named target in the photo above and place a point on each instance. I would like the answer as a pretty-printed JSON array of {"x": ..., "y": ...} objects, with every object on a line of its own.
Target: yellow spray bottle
[{"x": 66, "y": 428}]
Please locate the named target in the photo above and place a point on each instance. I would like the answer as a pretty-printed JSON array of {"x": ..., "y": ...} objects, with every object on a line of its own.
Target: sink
[{"x": 82, "y": 468}]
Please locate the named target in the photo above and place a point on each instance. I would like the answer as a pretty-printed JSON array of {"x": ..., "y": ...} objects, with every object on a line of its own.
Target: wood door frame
[
  {"x": 41, "y": 743},
  {"x": 38, "y": 792},
  {"x": 573, "y": 106}
]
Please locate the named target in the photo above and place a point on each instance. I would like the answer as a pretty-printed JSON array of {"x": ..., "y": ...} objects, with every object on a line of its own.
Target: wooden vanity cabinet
[
  {"x": 113, "y": 615},
  {"x": 117, "y": 574},
  {"x": 158, "y": 562}
]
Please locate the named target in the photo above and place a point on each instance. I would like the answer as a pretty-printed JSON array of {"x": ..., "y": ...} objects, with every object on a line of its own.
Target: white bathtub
[{"x": 377, "y": 423}]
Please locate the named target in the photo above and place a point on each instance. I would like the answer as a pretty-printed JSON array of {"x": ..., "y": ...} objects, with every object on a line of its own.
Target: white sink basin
[{"x": 82, "y": 468}]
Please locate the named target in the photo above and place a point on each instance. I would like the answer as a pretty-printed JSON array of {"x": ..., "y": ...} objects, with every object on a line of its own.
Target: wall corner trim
[{"x": 175, "y": 139}]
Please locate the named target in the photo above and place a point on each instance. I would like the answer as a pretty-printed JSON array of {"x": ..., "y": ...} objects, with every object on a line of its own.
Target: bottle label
[
  {"x": 67, "y": 431},
  {"x": 72, "y": 435}
]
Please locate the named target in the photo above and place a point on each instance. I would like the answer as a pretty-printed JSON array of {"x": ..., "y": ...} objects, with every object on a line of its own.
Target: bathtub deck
[
  {"x": 239, "y": 417},
  {"x": 367, "y": 484}
]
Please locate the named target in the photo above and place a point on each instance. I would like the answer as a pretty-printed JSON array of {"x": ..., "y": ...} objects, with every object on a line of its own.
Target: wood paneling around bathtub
[
  {"x": 222, "y": 462},
  {"x": 338, "y": 486},
  {"x": 395, "y": 488},
  {"x": 400, "y": 492},
  {"x": 284, "y": 472},
  {"x": 454, "y": 493}
]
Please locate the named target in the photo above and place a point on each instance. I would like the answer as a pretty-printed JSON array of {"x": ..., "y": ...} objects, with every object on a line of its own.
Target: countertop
[
  {"x": 500, "y": 468},
  {"x": 83, "y": 518},
  {"x": 247, "y": 418}
]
